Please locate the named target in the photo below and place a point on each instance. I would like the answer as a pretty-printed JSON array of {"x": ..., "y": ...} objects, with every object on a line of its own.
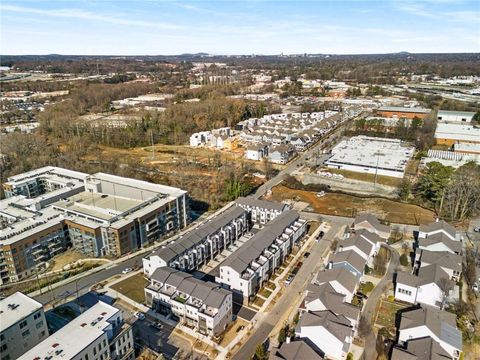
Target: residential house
[
  {"x": 439, "y": 242},
  {"x": 370, "y": 222},
  {"x": 437, "y": 227},
  {"x": 342, "y": 280},
  {"x": 428, "y": 321},
  {"x": 349, "y": 260},
  {"x": 420, "y": 349},
  {"x": 256, "y": 152},
  {"x": 281, "y": 154},
  {"x": 363, "y": 247},
  {"x": 331, "y": 334},
  {"x": 295, "y": 350},
  {"x": 449, "y": 262}
]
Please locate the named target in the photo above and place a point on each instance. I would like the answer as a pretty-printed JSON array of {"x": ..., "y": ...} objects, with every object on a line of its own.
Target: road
[
  {"x": 309, "y": 269},
  {"x": 83, "y": 284},
  {"x": 370, "y": 352}
]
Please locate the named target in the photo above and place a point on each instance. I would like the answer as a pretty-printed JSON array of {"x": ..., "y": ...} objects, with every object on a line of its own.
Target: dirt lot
[
  {"x": 386, "y": 314},
  {"x": 348, "y": 205},
  {"x": 133, "y": 287},
  {"x": 232, "y": 331},
  {"x": 68, "y": 257}
]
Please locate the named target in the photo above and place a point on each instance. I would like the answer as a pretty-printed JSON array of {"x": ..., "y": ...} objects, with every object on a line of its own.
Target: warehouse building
[
  {"x": 450, "y": 134},
  {"x": 403, "y": 112},
  {"x": 456, "y": 117},
  {"x": 387, "y": 157}
]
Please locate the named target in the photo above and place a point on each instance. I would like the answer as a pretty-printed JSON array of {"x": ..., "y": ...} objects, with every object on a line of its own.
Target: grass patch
[
  {"x": 258, "y": 301},
  {"x": 270, "y": 286},
  {"x": 384, "y": 180},
  {"x": 265, "y": 293},
  {"x": 132, "y": 287}
]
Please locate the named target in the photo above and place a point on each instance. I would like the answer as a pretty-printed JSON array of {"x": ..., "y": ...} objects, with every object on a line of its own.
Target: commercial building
[
  {"x": 260, "y": 212},
  {"x": 201, "y": 244},
  {"x": 403, "y": 112},
  {"x": 49, "y": 209},
  {"x": 250, "y": 266},
  {"x": 450, "y": 134},
  {"x": 456, "y": 117},
  {"x": 429, "y": 322},
  {"x": 379, "y": 156},
  {"x": 204, "y": 305},
  {"x": 99, "y": 333},
  {"x": 22, "y": 325}
]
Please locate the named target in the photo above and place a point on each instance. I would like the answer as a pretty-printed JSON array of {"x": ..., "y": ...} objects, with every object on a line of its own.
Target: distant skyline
[{"x": 85, "y": 27}]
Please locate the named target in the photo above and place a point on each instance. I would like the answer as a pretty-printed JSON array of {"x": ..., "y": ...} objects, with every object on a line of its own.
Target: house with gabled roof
[
  {"x": 331, "y": 334},
  {"x": 437, "y": 227},
  {"x": 440, "y": 242},
  {"x": 342, "y": 280},
  {"x": 427, "y": 321},
  {"x": 420, "y": 349},
  {"x": 371, "y": 223},
  {"x": 349, "y": 260},
  {"x": 295, "y": 350},
  {"x": 449, "y": 262}
]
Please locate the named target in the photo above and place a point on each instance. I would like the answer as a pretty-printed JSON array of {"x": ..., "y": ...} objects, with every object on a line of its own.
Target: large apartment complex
[
  {"x": 201, "y": 304},
  {"x": 50, "y": 209},
  {"x": 22, "y": 325},
  {"x": 100, "y": 333}
]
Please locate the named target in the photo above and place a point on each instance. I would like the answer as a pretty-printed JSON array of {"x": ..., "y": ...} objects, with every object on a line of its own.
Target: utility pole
[{"x": 153, "y": 145}]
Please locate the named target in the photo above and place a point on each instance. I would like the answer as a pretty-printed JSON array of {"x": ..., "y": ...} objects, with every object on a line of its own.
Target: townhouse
[
  {"x": 449, "y": 262},
  {"x": 256, "y": 151},
  {"x": 342, "y": 280},
  {"x": 22, "y": 326},
  {"x": 281, "y": 154},
  {"x": 369, "y": 222},
  {"x": 429, "y": 322},
  {"x": 250, "y": 266},
  {"x": 260, "y": 212},
  {"x": 200, "y": 245},
  {"x": 432, "y": 286},
  {"x": 205, "y": 306},
  {"x": 349, "y": 260},
  {"x": 325, "y": 297},
  {"x": 331, "y": 334},
  {"x": 99, "y": 333}
]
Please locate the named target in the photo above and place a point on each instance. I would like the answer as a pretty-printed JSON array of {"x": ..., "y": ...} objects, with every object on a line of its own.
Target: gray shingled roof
[
  {"x": 264, "y": 204},
  {"x": 350, "y": 257},
  {"x": 211, "y": 294},
  {"x": 359, "y": 242},
  {"x": 372, "y": 220},
  {"x": 373, "y": 237},
  {"x": 426, "y": 275},
  {"x": 253, "y": 248},
  {"x": 442, "y": 323},
  {"x": 454, "y": 245},
  {"x": 198, "y": 234},
  {"x": 421, "y": 349},
  {"x": 344, "y": 277},
  {"x": 332, "y": 300},
  {"x": 439, "y": 225},
  {"x": 294, "y": 351},
  {"x": 443, "y": 258},
  {"x": 338, "y": 325}
]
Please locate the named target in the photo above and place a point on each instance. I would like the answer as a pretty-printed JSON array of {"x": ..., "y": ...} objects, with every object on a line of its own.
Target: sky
[{"x": 121, "y": 27}]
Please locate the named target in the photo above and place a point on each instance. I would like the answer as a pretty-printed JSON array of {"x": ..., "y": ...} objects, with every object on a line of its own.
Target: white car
[
  {"x": 139, "y": 315},
  {"x": 127, "y": 270},
  {"x": 475, "y": 287}
]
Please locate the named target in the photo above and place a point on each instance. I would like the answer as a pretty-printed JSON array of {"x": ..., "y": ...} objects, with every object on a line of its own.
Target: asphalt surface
[
  {"x": 370, "y": 352},
  {"x": 82, "y": 285},
  {"x": 309, "y": 269}
]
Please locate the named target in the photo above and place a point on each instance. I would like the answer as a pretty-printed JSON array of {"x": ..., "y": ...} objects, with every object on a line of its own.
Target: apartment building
[
  {"x": 261, "y": 211},
  {"x": 100, "y": 333},
  {"x": 49, "y": 209},
  {"x": 204, "y": 305},
  {"x": 201, "y": 244},
  {"x": 250, "y": 266},
  {"x": 22, "y": 325}
]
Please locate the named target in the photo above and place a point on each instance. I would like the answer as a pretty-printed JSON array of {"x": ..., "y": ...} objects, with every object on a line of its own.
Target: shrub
[
  {"x": 391, "y": 298},
  {"x": 367, "y": 287},
  {"x": 349, "y": 356},
  {"x": 367, "y": 270},
  {"x": 404, "y": 260}
]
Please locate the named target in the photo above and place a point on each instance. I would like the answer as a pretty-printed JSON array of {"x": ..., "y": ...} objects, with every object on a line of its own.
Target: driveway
[{"x": 370, "y": 352}]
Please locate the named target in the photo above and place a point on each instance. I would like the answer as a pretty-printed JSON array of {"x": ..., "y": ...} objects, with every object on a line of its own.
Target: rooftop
[
  {"x": 421, "y": 349},
  {"x": 76, "y": 335},
  {"x": 344, "y": 278},
  {"x": 298, "y": 349},
  {"x": 418, "y": 110},
  {"x": 338, "y": 325},
  {"x": 264, "y": 204},
  {"x": 467, "y": 133},
  {"x": 15, "y": 308}
]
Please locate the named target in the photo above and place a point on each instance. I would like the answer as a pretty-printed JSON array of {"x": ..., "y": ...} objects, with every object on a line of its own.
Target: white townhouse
[
  {"x": 449, "y": 262},
  {"x": 256, "y": 152},
  {"x": 261, "y": 211},
  {"x": 201, "y": 244},
  {"x": 439, "y": 325},
  {"x": 200, "y": 138},
  {"x": 371, "y": 223},
  {"x": 426, "y": 288},
  {"x": 245, "y": 271},
  {"x": 203, "y": 305},
  {"x": 325, "y": 297},
  {"x": 342, "y": 280},
  {"x": 331, "y": 334}
]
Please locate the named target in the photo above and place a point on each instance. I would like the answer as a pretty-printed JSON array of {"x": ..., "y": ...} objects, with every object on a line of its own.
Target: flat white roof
[
  {"x": 20, "y": 307},
  {"x": 468, "y": 147},
  {"x": 76, "y": 335},
  {"x": 60, "y": 172},
  {"x": 367, "y": 151},
  {"x": 456, "y": 113},
  {"x": 457, "y": 132}
]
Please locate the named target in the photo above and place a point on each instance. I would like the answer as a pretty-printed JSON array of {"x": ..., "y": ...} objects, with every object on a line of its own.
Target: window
[
  {"x": 3, "y": 347},
  {"x": 104, "y": 342},
  {"x": 86, "y": 356},
  {"x": 23, "y": 324},
  {"x": 42, "y": 334},
  {"x": 39, "y": 325},
  {"x": 26, "y": 333}
]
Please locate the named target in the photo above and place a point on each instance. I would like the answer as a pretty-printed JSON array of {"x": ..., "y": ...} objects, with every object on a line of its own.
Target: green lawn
[
  {"x": 132, "y": 287},
  {"x": 265, "y": 292}
]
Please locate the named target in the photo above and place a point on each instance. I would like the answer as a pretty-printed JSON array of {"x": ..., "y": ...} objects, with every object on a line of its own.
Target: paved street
[
  {"x": 370, "y": 352},
  {"x": 311, "y": 266}
]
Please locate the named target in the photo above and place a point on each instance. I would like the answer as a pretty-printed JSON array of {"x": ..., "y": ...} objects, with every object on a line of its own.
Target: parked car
[
  {"x": 320, "y": 235},
  {"x": 240, "y": 328},
  {"x": 306, "y": 255},
  {"x": 477, "y": 229},
  {"x": 139, "y": 315},
  {"x": 157, "y": 325},
  {"x": 320, "y": 194},
  {"x": 475, "y": 287},
  {"x": 289, "y": 279},
  {"x": 127, "y": 270}
]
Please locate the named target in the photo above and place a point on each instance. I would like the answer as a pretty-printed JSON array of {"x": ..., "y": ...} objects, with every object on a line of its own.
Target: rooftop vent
[
  {"x": 13, "y": 306},
  {"x": 55, "y": 345}
]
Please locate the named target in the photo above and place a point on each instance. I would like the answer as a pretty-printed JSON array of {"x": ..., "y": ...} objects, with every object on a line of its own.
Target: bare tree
[
  {"x": 446, "y": 285},
  {"x": 364, "y": 327}
]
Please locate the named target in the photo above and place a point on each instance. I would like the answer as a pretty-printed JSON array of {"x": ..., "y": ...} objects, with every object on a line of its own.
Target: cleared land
[
  {"x": 384, "y": 180},
  {"x": 132, "y": 287},
  {"x": 348, "y": 205}
]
